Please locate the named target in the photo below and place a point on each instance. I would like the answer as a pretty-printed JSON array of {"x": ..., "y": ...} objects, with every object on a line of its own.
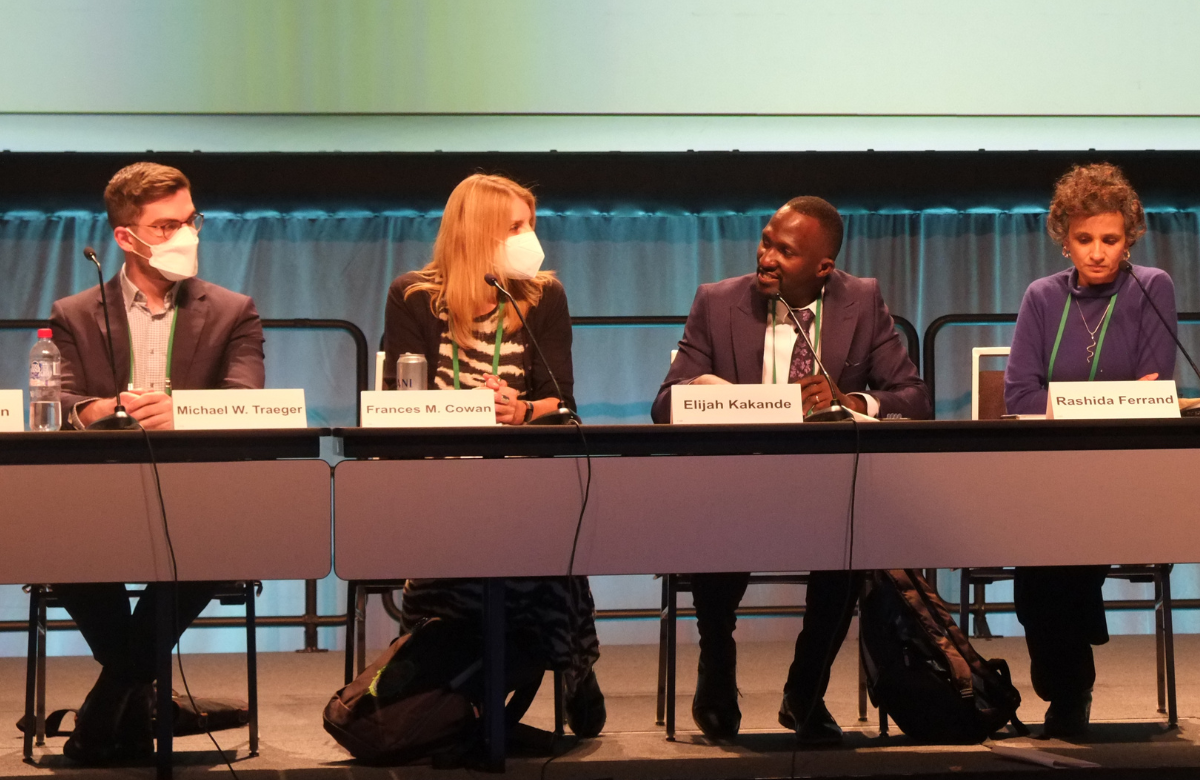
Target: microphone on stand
[
  {"x": 563, "y": 414},
  {"x": 119, "y": 420},
  {"x": 835, "y": 411},
  {"x": 1127, "y": 267}
]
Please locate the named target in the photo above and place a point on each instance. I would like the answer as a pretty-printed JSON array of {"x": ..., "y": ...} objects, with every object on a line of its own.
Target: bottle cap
[{"x": 45, "y": 333}]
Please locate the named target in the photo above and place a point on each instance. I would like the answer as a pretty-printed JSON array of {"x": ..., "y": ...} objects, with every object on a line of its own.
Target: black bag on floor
[
  {"x": 418, "y": 697},
  {"x": 922, "y": 671}
]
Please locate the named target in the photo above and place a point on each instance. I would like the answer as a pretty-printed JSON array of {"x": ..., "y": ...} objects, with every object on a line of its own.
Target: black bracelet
[{"x": 528, "y": 411}]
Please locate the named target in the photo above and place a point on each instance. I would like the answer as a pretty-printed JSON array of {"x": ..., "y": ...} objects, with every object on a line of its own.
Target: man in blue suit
[{"x": 738, "y": 333}]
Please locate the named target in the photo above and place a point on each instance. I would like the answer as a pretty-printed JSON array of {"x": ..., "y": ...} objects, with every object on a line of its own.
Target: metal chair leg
[
  {"x": 252, "y": 666},
  {"x": 1160, "y": 650},
  {"x": 660, "y": 708},
  {"x": 360, "y": 629},
  {"x": 40, "y": 699},
  {"x": 672, "y": 599},
  {"x": 964, "y": 601},
  {"x": 351, "y": 621},
  {"x": 1169, "y": 644},
  {"x": 31, "y": 671}
]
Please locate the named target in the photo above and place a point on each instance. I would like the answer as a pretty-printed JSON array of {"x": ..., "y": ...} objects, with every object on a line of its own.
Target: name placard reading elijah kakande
[
  {"x": 1112, "y": 400},
  {"x": 726, "y": 404},
  {"x": 220, "y": 410},
  {"x": 428, "y": 408},
  {"x": 12, "y": 411}
]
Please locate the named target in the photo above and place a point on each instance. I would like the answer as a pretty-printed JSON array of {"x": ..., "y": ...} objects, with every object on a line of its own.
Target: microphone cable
[{"x": 162, "y": 506}]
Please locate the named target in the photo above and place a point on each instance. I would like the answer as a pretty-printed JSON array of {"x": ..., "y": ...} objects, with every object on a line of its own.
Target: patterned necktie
[{"x": 802, "y": 355}]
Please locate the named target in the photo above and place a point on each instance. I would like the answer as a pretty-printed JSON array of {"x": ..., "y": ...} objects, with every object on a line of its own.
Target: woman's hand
[
  {"x": 1149, "y": 377},
  {"x": 509, "y": 409}
]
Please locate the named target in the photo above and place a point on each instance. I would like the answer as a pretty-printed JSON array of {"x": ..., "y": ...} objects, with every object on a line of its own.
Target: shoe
[
  {"x": 586, "y": 713},
  {"x": 819, "y": 730},
  {"x": 1067, "y": 719},
  {"x": 94, "y": 740},
  {"x": 715, "y": 705}
]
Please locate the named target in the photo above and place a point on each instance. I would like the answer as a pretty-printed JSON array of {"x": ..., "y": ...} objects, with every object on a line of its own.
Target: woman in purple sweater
[{"x": 1088, "y": 323}]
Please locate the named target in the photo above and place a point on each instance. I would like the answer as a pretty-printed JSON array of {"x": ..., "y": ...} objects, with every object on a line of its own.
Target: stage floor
[{"x": 1128, "y": 733}]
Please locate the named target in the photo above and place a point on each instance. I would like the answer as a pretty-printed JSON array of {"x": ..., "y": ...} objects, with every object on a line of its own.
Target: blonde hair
[{"x": 474, "y": 227}]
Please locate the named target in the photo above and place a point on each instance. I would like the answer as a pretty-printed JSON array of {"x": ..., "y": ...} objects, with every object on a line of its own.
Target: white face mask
[
  {"x": 521, "y": 256},
  {"x": 174, "y": 258}
]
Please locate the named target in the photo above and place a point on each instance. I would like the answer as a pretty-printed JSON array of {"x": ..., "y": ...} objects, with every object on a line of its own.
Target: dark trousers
[
  {"x": 828, "y": 609},
  {"x": 1062, "y": 610},
  {"x": 122, "y": 639}
]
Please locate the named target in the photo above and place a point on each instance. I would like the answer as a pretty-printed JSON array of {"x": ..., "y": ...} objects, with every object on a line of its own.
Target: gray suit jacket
[
  {"x": 860, "y": 348},
  {"x": 218, "y": 341}
]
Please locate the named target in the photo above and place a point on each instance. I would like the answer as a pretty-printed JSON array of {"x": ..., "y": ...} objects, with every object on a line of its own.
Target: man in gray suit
[
  {"x": 170, "y": 330},
  {"x": 737, "y": 333}
]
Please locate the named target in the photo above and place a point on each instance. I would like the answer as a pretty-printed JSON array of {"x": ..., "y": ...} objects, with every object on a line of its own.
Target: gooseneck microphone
[
  {"x": 119, "y": 420},
  {"x": 563, "y": 413},
  {"x": 835, "y": 411},
  {"x": 1127, "y": 267}
]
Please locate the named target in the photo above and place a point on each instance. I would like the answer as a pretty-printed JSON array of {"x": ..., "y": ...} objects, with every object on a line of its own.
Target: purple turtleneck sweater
[{"x": 1136, "y": 344}]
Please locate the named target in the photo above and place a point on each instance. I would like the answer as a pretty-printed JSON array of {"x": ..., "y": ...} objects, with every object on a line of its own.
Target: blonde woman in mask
[{"x": 471, "y": 338}]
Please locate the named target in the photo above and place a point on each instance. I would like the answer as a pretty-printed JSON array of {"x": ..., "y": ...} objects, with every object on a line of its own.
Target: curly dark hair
[{"x": 1088, "y": 190}]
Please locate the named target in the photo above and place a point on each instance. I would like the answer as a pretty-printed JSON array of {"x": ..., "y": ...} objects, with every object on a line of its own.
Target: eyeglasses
[{"x": 165, "y": 230}]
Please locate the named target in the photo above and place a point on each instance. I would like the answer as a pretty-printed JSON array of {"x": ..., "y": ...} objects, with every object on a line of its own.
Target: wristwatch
[{"x": 528, "y": 411}]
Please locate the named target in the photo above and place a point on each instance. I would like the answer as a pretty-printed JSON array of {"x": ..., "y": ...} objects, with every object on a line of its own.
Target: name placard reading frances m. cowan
[
  {"x": 222, "y": 410},
  {"x": 728, "y": 404},
  {"x": 1112, "y": 400},
  {"x": 12, "y": 411},
  {"x": 428, "y": 408}
]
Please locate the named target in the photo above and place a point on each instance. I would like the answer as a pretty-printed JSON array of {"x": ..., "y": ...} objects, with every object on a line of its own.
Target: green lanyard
[
  {"x": 816, "y": 341},
  {"x": 495, "y": 355},
  {"x": 1062, "y": 325},
  {"x": 170, "y": 352}
]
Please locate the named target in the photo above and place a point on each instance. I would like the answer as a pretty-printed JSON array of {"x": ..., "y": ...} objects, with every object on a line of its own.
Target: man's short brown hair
[{"x": 135, "y": 185}]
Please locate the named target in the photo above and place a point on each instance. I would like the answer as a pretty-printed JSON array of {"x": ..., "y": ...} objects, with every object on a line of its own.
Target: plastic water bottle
[{"x": 45, "y": 384}]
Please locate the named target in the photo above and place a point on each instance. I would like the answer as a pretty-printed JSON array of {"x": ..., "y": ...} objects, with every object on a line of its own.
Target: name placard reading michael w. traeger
[
  {"x": 731, "y": 404},
  {"x": 217, "y": 410}
]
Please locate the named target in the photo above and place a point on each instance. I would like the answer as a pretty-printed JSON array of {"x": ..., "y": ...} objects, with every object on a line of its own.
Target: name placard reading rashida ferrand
[
  {"x": 227, "y": 410},
  {"x": 12, "y": 411},
  {"x": 428, "y": 408},
  {"x": 730, "y": 404},
  {"x": 1112, "y": 400}
]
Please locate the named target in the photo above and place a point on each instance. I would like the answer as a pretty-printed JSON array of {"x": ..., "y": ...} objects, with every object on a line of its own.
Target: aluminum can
[{"x": 412, "y": 372}]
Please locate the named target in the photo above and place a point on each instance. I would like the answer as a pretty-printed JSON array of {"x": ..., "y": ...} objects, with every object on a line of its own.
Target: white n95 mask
[
  {"x": 521, "y": 256},
  {"x": 175, "y": 258}
]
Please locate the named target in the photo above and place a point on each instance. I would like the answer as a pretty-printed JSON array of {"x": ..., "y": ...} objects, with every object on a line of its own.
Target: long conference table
[
  {"x": 240, "y": 505},
  {"x": 503, "y": 502},
  {"x": 495, "y": 503}
]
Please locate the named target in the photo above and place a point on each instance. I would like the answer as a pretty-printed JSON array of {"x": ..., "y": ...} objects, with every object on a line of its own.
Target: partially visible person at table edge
[
  {"x": 448, "y": 313},
  {"x": 170, "y": 330},
  {"x": 1090, "y": 322}
]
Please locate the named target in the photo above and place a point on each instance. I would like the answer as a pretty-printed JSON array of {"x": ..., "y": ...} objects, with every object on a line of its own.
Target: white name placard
[
  {"x": 221, "y": 410},
  {"x": 12, "y": 411},
  {"x": 1112, "y": 400},
  {"x": 726, "y": 404},
  {"x": 428, "y": 408}
]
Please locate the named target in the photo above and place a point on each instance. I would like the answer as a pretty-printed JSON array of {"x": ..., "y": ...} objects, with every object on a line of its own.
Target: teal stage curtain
[{"x": 338, "y": 264}]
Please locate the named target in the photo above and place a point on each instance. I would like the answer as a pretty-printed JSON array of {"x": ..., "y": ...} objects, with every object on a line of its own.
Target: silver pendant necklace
[{"x": 1091, "y": 350}]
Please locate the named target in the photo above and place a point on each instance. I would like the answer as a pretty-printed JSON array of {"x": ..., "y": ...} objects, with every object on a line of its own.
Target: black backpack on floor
[{"x": 922, "y": 671}]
